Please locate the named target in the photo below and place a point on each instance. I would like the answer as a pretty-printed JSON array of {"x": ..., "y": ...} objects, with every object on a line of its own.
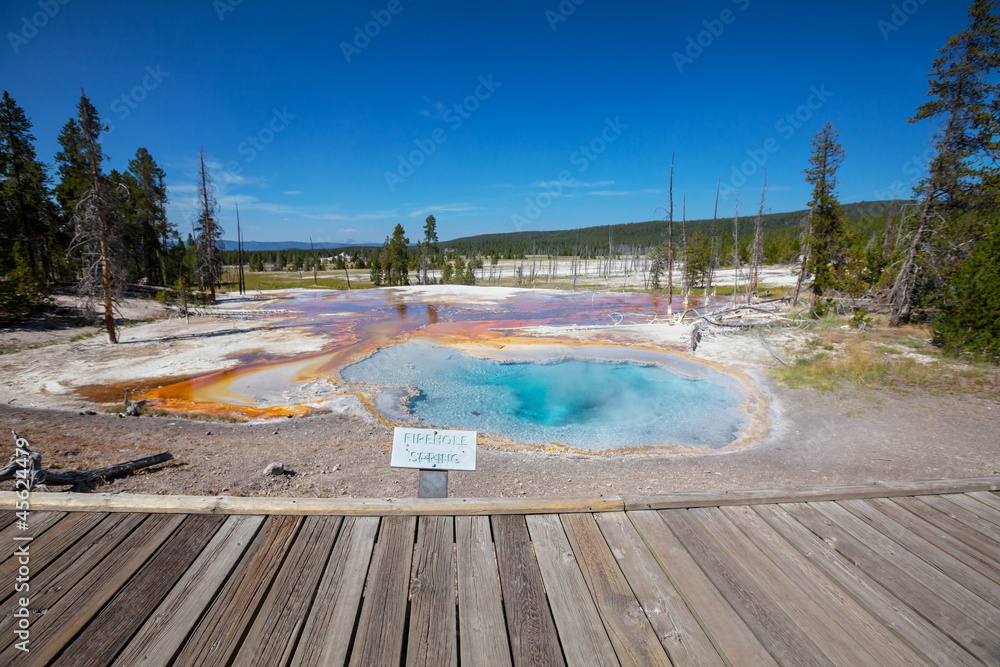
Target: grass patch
[{"x": 863, "y": 363}]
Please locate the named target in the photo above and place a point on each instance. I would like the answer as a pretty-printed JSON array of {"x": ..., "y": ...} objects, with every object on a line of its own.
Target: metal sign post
[{"x": 434, "y": 452}]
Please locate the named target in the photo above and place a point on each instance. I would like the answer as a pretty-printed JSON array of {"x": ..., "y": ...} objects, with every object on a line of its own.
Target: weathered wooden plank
[
  {"x": 991, "y": 499},
  {"x": 973, "y": 538},
  {"x": 779, "y": 634},
  {"x": 7, "y": 517},
  {"x": 124, "y": 502},
  {"x": 381, "y": 627},
  {"x": 48, "y": 546},
  {"x": 330, "y": 625},
  {"x": 72, "y": 566},
  {"x": 690, "y": 499},
  {"x": 532, "y": 631},
  {"x": 968, "y": 512},
  {"x": 931, "y": 642},
  {"x": 816, "y": 614},
  {"x": 976, "y": 610},
  {"x": 73, "y": 610},
  {"x": 480, "y": 609},
  {"x": 112, "y": 628},
  {"x": 272, "y": 637},
  {"x": 159, "y": 639},
  {"x": 38, "y": 523},
  {"x": 883, "y": 567},
  {"x": 732, "y": 637},
  {"x": 816, "y": 609},
  {"x": 630, "y": 631},
  {"x": 584, "y": 640},
  {"x": 854, "y": 619},
  {"x": 982, "y": 510},
  {"x": 217, "y": 636},
  {"x": 941, "y": 560},
  {"x": 432, "y": 638},
  {"x": 680, "y": 634},
  {"x": 983, "y": 564}
]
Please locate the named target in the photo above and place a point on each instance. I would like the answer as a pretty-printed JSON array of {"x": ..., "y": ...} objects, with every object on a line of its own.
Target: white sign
[{"x": 433, "y": 449}]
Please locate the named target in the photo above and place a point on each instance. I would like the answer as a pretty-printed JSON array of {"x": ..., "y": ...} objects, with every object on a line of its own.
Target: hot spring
[
  {"x": 522, "y": 367},
  {"x": 595, "y": 400}
]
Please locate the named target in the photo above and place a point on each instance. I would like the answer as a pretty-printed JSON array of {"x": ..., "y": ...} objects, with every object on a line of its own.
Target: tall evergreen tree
[
  {"x": 26, "y": 215},
  {"x": 398, "y": 257},
  {"x": 963, "y": 92},
  {"x": 73, "y": 168},
  {"x": 155, "y": 232},
  {"x": 429, "y": 246},
  {"x": 826, "y": 239}
]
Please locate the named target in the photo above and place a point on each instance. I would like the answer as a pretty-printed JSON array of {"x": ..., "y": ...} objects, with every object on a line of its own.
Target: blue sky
[{"x": 493, "y": 116}]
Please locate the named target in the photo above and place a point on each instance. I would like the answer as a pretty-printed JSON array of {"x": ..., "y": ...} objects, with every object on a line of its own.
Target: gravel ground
[{"x": 857, "y": 437}]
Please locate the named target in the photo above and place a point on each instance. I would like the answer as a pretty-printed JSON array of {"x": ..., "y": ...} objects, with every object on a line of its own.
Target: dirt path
[{"x": 818, "y": 439}]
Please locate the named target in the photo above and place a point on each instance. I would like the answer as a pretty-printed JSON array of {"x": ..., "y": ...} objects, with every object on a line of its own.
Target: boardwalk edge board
[{"x": 104, "y": 502}]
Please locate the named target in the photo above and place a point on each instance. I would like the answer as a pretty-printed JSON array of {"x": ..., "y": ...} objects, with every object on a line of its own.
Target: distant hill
[
  {"x": 290, "y": 245},
  {"x": 645, "y": 234},
  {"x": 639, "y": 234}
]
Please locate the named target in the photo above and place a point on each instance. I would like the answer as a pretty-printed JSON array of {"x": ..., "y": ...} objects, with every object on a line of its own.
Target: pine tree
[
  {"x": 398, "y": 259},
  {"x": 969, "y": 321},
  {"x": 73, "y": 169},
  {"x": 156, "y": 233},
  {"x": 26, "y": 216},
  {"x": 963, "y": 92},
  {"x": 25, "y": 189},
  {"x": 429, "y": 245},
  {"x": 826, "y": 239}
]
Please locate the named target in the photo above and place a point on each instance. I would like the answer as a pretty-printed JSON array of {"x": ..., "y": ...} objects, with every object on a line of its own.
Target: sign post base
[{"x": 432, "y": 484}]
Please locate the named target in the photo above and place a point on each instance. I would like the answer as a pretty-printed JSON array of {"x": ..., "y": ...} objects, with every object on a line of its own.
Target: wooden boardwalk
[{"x": 860, "y": 576}]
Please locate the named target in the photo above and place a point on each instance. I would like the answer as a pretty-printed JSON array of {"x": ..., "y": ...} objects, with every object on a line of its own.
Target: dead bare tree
[
  {"x": 98, "y": 242},
  {"x": 670, "y": 243},
  {"x": 711, "y": 251},
  {"x": 208, "y": 230},
  {"x": 736, "y": 247},
  {"x": 684, "y": 242},
  {"x": 239, "y": 250},
  {"x": 758, "y": 244},
  {"x": 889, "y": 240},
  {"x": 805, "y": 258}
]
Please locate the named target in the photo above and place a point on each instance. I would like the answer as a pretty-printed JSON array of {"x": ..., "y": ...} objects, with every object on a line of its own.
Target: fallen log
[{"x": 23, "y": 459}]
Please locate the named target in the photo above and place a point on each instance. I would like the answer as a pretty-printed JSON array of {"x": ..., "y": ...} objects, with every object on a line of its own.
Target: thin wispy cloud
[
  {"x": 624, "y": 193},
  {"x": 571, "y": 184},
  {"x": 449, "y": 208},
  {"x": 292, "y": 193}
]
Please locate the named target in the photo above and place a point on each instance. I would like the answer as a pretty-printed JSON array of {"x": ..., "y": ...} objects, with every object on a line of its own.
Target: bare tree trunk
[
  {"x": 899, "y": 295},
  {"x": 711, "y": 251},
  {"x": 684, "y": 237},
  {"x": 758, "y": 244},
  {"x": 95, "y": 177},
  {"x": 670, "y": 243},
  {"x": 109, "y": 316},
  {"x": 208, "y": 237},
  {"x": 736, "y": 248},
  {"x": 805, "y": 259},
  {"x": 889, "y": 242},
  {"x": 239, "y": 247}
]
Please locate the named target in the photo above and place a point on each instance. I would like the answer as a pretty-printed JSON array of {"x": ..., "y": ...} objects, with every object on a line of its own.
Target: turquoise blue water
[{"x": 584, "y": 403}]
